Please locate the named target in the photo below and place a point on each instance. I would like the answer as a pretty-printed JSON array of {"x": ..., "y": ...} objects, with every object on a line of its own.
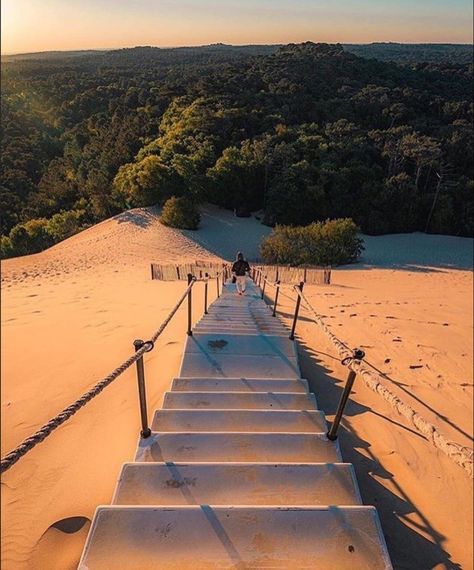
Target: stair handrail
[
  {"x": 374, "y": 380},
  {"x": 141, "y": 347},
  {"x": 460, "y": 454}
]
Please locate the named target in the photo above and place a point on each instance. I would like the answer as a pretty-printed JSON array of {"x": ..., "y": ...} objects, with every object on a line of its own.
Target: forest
[{"x": 302, "y": 132}]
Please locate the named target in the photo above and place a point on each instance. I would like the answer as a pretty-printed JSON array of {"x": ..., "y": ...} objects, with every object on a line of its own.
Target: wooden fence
[
  {"x": 310, "y": 274},
  {"x": 179, "y": 272}
]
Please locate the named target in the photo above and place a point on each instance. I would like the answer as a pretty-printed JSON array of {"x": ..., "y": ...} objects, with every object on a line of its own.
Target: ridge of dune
[
  {"x": 133, "y": 237},
  {"x": 71, "y": 313}
]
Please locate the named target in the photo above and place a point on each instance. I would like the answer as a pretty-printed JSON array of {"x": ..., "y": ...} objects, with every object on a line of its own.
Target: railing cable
[
  {"x": 462, "y": 455},
  {"x": 30, "y": 442}
]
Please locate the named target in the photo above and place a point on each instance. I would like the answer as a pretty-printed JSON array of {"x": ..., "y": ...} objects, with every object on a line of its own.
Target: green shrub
[
  {"x": 6, "y": 249},
  {"x": 334, "y": 242},
  {"x": 30, "y": 237},
  {"x": 64, "y": 225},
  {"x": 180, "y": 213}
]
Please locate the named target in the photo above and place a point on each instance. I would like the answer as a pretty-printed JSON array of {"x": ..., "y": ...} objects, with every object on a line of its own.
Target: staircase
[{"x": 238, "y": 472}]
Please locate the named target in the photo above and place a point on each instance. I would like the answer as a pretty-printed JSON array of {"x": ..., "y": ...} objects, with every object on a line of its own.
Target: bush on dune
[
  {"x": 64, "y": 225},
  {"x": 30, "y": 237},
  {"x": 36, "y": 235},
  {"x": 181, "y": 213},
  {"x": 334, "y": 242}
]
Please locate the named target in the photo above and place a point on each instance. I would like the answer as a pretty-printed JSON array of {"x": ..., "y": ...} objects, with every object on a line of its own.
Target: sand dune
[{"x": 70, "y": 314}]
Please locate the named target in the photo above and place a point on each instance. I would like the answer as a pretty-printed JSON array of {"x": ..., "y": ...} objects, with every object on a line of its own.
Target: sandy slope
[{"x": 70, "y": 314}]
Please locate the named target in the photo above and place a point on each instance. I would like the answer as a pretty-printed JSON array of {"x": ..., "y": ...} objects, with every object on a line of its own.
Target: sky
[{"x": 43, "y": 25}]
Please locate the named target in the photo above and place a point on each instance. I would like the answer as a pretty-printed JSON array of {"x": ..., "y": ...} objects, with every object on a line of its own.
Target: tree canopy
[{"x": 304, "y": 132}]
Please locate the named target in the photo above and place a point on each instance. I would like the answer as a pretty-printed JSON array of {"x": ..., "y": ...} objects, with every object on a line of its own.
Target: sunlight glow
[{"x": 39, "y": 25}]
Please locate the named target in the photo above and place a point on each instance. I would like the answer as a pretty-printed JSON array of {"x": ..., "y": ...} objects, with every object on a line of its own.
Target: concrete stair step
[
  {"x": 221, "y": 326},
  {"x": 239, "y": 332},
  {"x": 223, "y": 343},
  {"x": 305, "y": 484},
  {"x": 239, "y": 420},
  {"x": 239, "y": 401},
  {"x": 210, "y": 329},
  {"x": 238, "y": 385},
  {"x": 240, "y": 315},
  {"x": 241, "y": 447},
  {"x": 242, "y": 321},
  {"x": 205, "y": 537},
  {"x": 239, "y": 324},
  {"x": 240, "y": 310},
  {"x": 228, "y": 322},
  {"x": 226, "y": 327},
  {"x": 236, "y": 303},
  {"x": 236, "y": 310},
  {"x": 225, "y": 366}
]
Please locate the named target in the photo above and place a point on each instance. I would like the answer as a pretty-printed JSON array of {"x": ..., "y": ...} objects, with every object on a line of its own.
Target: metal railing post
[
  {"x": 276, "y": 299},
  {"x": 297, "y": 310},
  {"x": 332, "y": 433},
  {"x": 190, "y": 331},
  {"x": 263, "y": 288},
  {"x": 206, "y": 282},
  {"x": 259, "y": 277},
  {"x": 217, "y": 284},
  {"x": 145, "y": 431}
]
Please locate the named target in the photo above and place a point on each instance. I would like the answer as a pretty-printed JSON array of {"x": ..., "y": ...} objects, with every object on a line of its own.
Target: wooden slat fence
[
  {"x": 311, "y": 275},
  {"x": 179, "y": 272}
]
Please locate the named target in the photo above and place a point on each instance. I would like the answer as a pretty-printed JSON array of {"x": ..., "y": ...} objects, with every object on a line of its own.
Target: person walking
[{"x": 240, "y": 269}]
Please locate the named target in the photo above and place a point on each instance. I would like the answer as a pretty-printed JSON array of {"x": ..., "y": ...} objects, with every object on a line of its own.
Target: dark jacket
[{"x": 240, "y": 267}]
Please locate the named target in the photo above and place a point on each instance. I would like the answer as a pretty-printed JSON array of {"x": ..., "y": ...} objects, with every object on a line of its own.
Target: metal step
[
  {"x": 239, "y": 401},
  {"x": 205, "y": 537},
  {"x": 307, "y": 484}
]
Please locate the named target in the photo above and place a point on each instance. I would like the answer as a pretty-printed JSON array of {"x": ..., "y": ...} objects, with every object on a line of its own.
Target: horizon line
[{"x": 236, "y": 45}]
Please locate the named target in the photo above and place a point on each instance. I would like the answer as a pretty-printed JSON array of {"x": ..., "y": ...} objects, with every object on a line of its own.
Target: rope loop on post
[
  {"x": 357, "y": 354},
  {"x": 150, "y": 345}
]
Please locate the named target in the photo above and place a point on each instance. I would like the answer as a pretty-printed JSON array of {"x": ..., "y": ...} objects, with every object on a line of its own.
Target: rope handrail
[
  {"x": 274, "y": 284},
  {"x": 462, "y": 455},
  {"x": 30, "y": 442}
]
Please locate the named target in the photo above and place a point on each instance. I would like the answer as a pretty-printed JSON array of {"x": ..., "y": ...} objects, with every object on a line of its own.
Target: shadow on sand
[
  {"x": 409, "y": 549},
  {"x": 141, "y": 218}
]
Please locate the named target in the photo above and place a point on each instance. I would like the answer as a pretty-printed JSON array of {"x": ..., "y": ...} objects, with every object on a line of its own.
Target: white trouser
[{"x": 241, "y": 283}]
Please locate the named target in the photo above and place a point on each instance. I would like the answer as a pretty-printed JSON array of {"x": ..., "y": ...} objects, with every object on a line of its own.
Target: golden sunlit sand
[{"x": 71, "y": 313}]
